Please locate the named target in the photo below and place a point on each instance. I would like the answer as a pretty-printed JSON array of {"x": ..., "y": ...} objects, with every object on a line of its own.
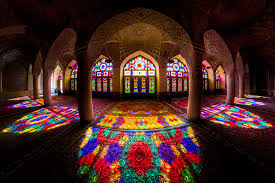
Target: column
[
  {"x": 47, "y": 88},
  {"x": 116, "y": 81},
  {"x": 230, "y": 77},
  {"x": 162, "y": 80},
  {"x": 35, "y": 86},
  {"x": 241, "y": 85},
  {"x": 1, "y": 84},
  {"x": 84, "y": 90},
  {"x": 195, "y": 87}
]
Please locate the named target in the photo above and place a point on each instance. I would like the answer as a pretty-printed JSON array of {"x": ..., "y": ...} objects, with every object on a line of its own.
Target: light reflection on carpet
[
  {"x": 243, "y": 101},
  {"x": 27, "y": 104},
  {"x": 118, "y": 156},
  {"x": 214, "y": 109},
  {"x": 256, "y": 96},
  {"x": 238, "y": 117},
  {"x": 22, "y": 98},
  {"x": 43, "y": 119},
  {"x": 140, "y": 116}
]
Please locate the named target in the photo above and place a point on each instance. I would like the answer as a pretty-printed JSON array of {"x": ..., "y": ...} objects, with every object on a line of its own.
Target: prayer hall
[{"x": 100, "y": 91}]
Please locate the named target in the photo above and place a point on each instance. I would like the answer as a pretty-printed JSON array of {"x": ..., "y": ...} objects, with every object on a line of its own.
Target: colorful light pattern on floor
[
  {"x": 22, "y": 98},
  {"x": 29, "y": 103},
  {"x": 214, "y": 109},
  {"x": 237, "y": 117},
  {"x": 129, "y": 157},
  {"x": 255, "y": 96},
  {"x": 140, "y": 116},
  {"x": 65, "y": 111},
  {"x": 243, "y": 101},
  {"x": 43, "y": 119}
]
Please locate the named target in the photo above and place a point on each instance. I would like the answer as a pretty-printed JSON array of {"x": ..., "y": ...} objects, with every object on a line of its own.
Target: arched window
[
  {"x": 102, "y": 76},
  {"x": 218, "y": 80},
  {"x": 177, "y": 76},
  {"x": 139, "y": 76},
  {"x": 74, "y": 78},
  {"x": 204, "y": 78}
]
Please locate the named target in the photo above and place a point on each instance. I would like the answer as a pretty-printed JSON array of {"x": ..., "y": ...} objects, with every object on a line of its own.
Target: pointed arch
[
  {"x": 67, "y": 75},
  {"x": 56, "y": 82},
  {"x": 221, "y": 83},
  {"x": 210, "y": 76},
  {"x": 145, "y": 55},
  {"x": 64, "y": 44},
  {"x": 215, "y": 45},
  {"x": 177, "y": 76},
  {"x": 170, "y": 31}
]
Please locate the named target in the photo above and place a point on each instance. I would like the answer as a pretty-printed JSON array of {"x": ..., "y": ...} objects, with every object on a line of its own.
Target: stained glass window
[
  {"x": 60, "y": 81},
  {"x": 139, "y": 74},
  {"x": 177, "y": 76},
  {"x": 60, "y": 76},
  {"x": 204, "y": 78},
  {"x": 218, "y": 80},
  {"x": 127, "y": 85},
  {"x": 152, "y": 85},
  {"x": 102, "y": 74},
  {"x": 74, "y": 78},
  {"x": 101, "y": 80}
]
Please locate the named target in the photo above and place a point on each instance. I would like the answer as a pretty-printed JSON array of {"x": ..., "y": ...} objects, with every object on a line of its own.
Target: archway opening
[
  {"x": 102, "y": 72},
  {"x": 139, "y": 78},
  {"x": 57, "y": 80},
  {"x": 204, "y": 79},
  {"x": 74, "y": 78},
  {"x": 177, "y": 77},
  {"x": 220, "y": 80}
]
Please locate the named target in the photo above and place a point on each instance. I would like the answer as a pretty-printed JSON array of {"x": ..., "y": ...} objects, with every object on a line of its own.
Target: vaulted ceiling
[{"x": 247, "y": 25}]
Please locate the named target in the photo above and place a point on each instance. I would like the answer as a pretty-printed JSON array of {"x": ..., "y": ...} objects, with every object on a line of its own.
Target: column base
[{"x": 85, "y": 122}]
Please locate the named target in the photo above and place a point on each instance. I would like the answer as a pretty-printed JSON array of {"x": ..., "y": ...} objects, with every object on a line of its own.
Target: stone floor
[{"x": 137, "y": 141}]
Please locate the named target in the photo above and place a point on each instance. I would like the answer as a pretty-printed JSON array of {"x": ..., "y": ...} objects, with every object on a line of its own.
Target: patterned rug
[
  {"x": 140, "y": 115},
  {"x": 127, "y": 156}
]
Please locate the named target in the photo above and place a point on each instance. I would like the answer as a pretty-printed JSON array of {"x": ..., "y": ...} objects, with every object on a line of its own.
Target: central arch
[{"x": 147, "y": 56}]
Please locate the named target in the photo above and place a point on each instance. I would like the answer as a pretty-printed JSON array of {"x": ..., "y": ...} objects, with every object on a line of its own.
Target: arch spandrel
[
  {"x": 215, "y": 45},
  {"x": 64, "y": 44},
  {"x": 170, "y": 29}
]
